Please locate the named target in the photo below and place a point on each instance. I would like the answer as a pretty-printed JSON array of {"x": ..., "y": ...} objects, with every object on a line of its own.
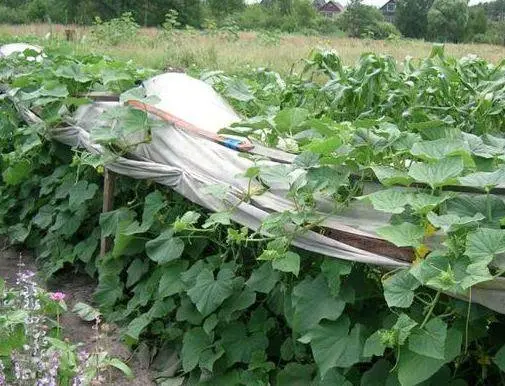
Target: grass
[{"x": 219, "y": 52}]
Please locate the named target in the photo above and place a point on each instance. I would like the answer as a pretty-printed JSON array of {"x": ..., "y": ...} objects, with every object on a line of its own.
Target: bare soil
[{"x": 78, "y": 288}]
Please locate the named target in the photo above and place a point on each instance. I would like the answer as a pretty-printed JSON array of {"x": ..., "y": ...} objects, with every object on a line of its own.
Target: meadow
[{"x": 218, "y": 50}]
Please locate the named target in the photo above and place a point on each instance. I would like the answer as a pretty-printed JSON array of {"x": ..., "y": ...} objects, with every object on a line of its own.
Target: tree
[
  {"x": 412, "y": 17},
  {"x": 305, "y": 13},
  {"x": 447, "y": 20},
  {"x": 285, "y": 6},
  {"x": 495, "y": 10},
  {"x": 220, "y": 8},
  {"x": 359, "y": 19},
  {"x": 477, "y": 22}
]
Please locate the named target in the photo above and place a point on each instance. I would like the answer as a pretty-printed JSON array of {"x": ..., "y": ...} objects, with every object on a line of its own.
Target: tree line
[
  {"x": 434, "y": 20},
  {"x": 451, "y": 20}
]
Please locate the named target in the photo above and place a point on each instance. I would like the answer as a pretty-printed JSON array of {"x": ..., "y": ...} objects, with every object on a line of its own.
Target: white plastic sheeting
[
  {"x": 9, "y": 49},
  {"x": 189, "y": 163}
]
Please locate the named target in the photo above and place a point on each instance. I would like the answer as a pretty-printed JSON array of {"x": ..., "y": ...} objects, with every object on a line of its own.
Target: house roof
[
  {"x": 386, "y": 3},
  {"x": 322, "y": 4}
]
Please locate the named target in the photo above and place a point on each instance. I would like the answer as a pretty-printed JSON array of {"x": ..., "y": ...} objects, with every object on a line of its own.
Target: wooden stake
[
  {"x": 70, "y": 34},
  {"x": 108, "y": 204}
]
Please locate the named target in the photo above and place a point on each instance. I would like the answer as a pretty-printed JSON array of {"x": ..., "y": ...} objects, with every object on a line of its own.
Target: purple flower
[
  {"x": 57, "y": 296},
  {"x": 2, "y": 374},
  {"x": 25, "y": 275}
]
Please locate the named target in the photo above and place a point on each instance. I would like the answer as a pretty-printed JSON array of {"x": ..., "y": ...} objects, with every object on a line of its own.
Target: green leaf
[
  {"x": 402, "y": 235},
  {"x": 72, "y": 71},
  {"x": 194, "y": 344},
  {"x": 188, "y": 312},
  {"x": 112, "y": 75},
  {"x": 109, "y": 221},
  {"x": 451, "y": 222},
  {"x": 334, "y": 346},
  {"x": 414, "y": 368},
  {"x": 239, "y": 345},
  {"x": 86, "y": 312},
  {"x": 54, "y": 90},
  {"x": 189, "y": 277},
  {"x": 332, "y": 269},
  {"x": 135, "y": 271},
  {"x": 108, "y": 291},
  {"x": 137, "y": 325},
  {"x": 44, "y": 217},
  {"x": 125, "y": 244},
  {"x": 389, "y": 200},
  {"x": 324, "y": 147},
  {"x": 85, "y": 249},
  {"x": 422, "y": 203},
  {"x": 333, "y": 377},
  {"x": 153, "y": 204},
  {"x": 477, "y": 272},
  {"x": 374, "y": 346},
  {"x": 288, "y": 262},
  {"x": 170, "y": 281},
  {"x": 440, "y": 149},
  {"x": 239, "y": 90},
  {"x": 186, "y": 221},
  {"x": 18, "y": 233},
  {"x": 263, "y": 279},
  {"x": 17, "y": 172},
  {"x": 14, "y": 339},
  {"x": 379, "y": 375},
  {"x": 499, "y": 358},
  {"x": 210, "y": 324},
  {"x": 491, "y": 206},
  {"x": 313, "y": 302},
  {"x": 396, "y": 336},
  {"x": 290, "y": 120},
  {"x": 403, "y": 326},
  {"x": 295, "y": 374},
  {"x": 390, "y": 176},
  {"x": 484, "y": 180},
  {"x": 440, "y": 271},
  {"x": 165, "y": 247},
  {"x": 437, "y": 174},
  {"x": 209, "y": 293},
  {"x": 399, "y": 289},
  {"x": 161, "y": 308},
  {"x": 484, "y": 244},
  {"x": 237, "y": 302},
  {"x": 222, "y": 218},
  {"x": 209, "y": 357},
  {"x": 429, "y": 341},
  {"x": 121, "y": 366}
]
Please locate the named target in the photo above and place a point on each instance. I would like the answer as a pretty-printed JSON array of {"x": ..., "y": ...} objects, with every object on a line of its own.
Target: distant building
[
  {"x": 328, "y": 8},
  {"x": 389, "y": 11}
]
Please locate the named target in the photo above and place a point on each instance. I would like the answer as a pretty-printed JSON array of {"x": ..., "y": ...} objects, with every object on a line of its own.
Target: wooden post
[
  {"x": 108, "y": 204},
  {"x": 70, "y": 35}
]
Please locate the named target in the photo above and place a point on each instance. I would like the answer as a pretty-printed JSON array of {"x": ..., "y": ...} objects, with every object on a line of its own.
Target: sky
[
  {"x": 382, "y": 2},
  {"x": 374, "y": 2}
]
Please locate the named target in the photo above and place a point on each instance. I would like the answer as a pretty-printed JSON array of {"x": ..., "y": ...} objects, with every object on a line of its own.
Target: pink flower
[{"x": 57, "y": 296}]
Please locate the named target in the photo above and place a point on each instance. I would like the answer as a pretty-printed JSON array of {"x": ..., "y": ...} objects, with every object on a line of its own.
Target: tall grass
[{"x": 216, "y": 51}]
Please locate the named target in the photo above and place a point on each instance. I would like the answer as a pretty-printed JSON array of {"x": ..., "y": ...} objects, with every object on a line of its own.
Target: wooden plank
[
  {"x": 378, "y": 246},
  {"x": 108, "y": 204}
]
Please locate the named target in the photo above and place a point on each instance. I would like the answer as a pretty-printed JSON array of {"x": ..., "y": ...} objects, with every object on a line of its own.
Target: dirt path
[{"x": 78, "y": 288}]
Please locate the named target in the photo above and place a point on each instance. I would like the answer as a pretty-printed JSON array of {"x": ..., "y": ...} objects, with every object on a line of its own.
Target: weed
[{"x": 115, "y": 31}]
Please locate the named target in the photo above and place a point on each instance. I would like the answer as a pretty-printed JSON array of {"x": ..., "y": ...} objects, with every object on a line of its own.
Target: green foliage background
[{"x": 245, "y": 308}]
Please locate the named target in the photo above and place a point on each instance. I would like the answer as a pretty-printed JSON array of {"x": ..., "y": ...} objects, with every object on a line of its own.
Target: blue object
[{"x": 232, "y": 143}]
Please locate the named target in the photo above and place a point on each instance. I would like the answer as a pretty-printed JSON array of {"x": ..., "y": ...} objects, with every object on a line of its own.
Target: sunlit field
[{"x": 222, "y": 51}]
